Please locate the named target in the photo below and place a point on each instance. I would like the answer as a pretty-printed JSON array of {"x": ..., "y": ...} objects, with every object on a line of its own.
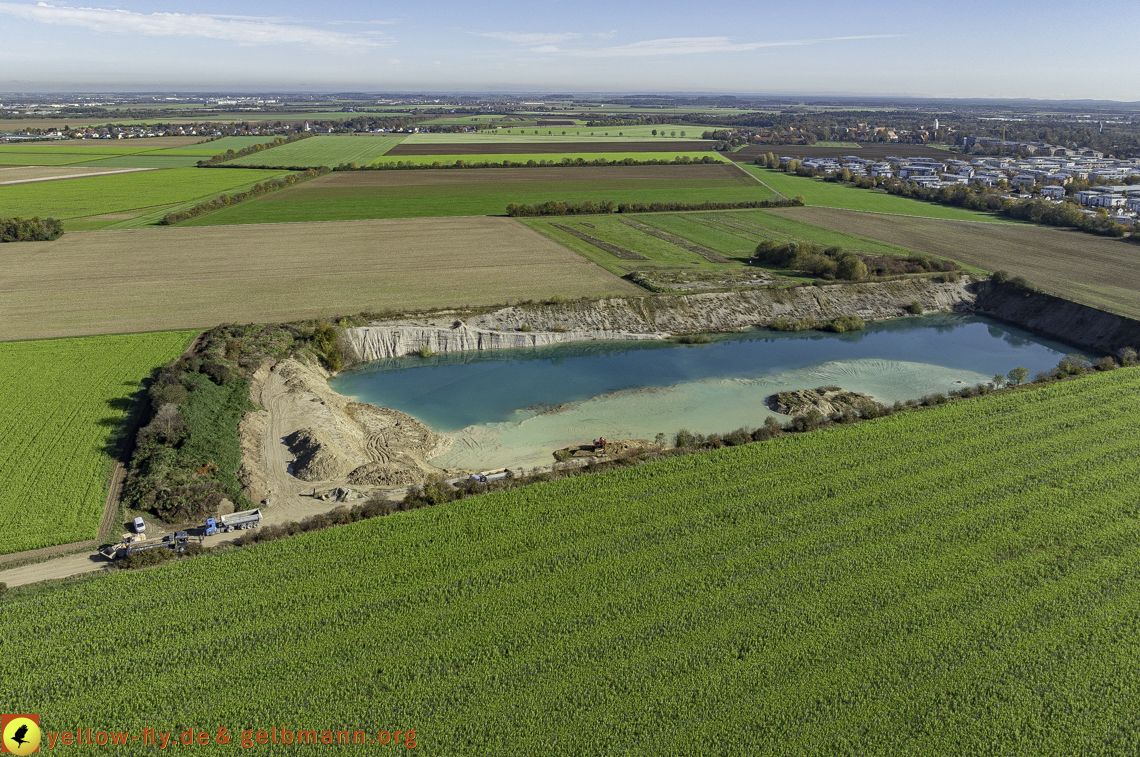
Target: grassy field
[
  {"x": 732, "y": 233},
  {"x": 74, "y": 198},
  {"x": 555, "y": 134},
  {"x": 150, "y": 279},
  {"x": 415, "y": 194},
  {"x": 961, "y": 580},
  {"x": 63, "y": 401},
  {"x": 331, "y": 150},
  {"x": 493, "y": 157},
  {"x": 72, "y": 151},
  {"x": 1081, "y": 267},
  {"x": 831, "y": 195}
]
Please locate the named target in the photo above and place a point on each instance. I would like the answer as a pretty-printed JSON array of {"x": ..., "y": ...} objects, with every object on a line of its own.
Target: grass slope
[
  {"x": 330, "y": 150},
  {"x": 350, "y": 203},
  {"x": 831, "y": 195},
  {"x": 962, "y": 580},
  {"x": 72, "y": 198},
  {"x": 63, "y": 400}
]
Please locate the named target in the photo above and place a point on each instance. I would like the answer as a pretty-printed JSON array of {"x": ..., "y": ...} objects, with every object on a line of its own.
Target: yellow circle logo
[{"x": 21, "y": 736}]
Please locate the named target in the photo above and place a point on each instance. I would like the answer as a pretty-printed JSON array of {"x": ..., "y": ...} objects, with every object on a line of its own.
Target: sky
[{"x": 968, "y": 48}]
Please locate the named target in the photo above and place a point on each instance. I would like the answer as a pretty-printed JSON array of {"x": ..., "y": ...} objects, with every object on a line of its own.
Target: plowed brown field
[
  {"x": 153, "y": 279},
  {"x": 1081, "y": 267}
]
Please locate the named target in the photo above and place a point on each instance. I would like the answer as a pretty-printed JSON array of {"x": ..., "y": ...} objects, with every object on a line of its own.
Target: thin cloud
[
  {"x": 531, "y": 38},
  {"x": 245, "y": 31},
  {"x": 693, "y": 46}
]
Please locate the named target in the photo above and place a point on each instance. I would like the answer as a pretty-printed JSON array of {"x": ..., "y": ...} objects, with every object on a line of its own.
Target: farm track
[
  {"x": 35, "y": 174},
  {"x": 1091, "y": 270},
  {"x": 532, "y": 148},
  {"x": 710, "y": 255},
  {"x": 613, "y": 249}
]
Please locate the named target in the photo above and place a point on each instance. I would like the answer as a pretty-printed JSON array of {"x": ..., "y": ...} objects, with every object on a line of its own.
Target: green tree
[
  {"x": 999, "y": 380},
  {"x": 1017, "y": 375}
]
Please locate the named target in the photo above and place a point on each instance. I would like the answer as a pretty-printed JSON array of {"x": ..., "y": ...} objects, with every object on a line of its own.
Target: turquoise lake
[{"x": 515, "y": 407}]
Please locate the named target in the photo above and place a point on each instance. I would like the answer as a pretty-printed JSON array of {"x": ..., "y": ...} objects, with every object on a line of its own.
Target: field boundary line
[{"x": 751, "y": 175}]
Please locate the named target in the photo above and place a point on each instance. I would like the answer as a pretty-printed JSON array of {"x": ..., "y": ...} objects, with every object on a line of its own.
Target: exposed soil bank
[
  {"x": 1057, "y": 318},
  {"x": 648, "y": 317}
]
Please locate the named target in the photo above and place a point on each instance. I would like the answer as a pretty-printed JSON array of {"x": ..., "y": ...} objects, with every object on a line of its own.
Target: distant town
[{"x": 1053, "y": 175}]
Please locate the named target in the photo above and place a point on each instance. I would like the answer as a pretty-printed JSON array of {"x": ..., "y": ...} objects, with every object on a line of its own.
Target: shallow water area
[{"x": 515, "y": 407}]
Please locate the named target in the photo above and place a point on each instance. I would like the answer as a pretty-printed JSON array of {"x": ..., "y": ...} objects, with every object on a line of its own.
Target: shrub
[
  {"x": 34, "y": 229},
  {"x": 145, "y": 559},
  {"x": 914, "y": 308},
  {"x": 684, "y": 438},
  {"x": 1128, "y": 356},
  {"x": 845, "y": 323},
  {"x": 425, "y": 351},
  {"x": 3, "y": 588}
]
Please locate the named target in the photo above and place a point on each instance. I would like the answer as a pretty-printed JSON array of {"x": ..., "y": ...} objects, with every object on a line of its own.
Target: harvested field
[
  {"x": 1081, "y": 267},
  {"x": 460, "y": 192},
  {"x": 430, "y": 177},
  {"x": 523, "y": 148},
  {"x": 870, "y": 151},
  {"x": 30, "y": 174},
  {"x": 153, "y": 279}
]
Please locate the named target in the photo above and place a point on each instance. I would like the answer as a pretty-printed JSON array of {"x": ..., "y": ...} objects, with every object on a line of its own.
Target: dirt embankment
[
  {"x": 648, "y": 317},
  {"x": 1059, "y": 318},
  {"x": 307, "y": 437}
]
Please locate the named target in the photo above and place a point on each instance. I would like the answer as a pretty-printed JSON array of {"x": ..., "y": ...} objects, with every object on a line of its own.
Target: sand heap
[
  {"x": 309, "y": 434},
  {"x": 826, "y": 400}
]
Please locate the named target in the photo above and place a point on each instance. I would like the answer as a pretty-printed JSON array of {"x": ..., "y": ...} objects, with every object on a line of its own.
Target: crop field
[
  {"x": 63, "y": 399},
  {"x": 499, "y": 157},
  {"x": 963, "y": 580},
  {"x": 71, "y": 151},
  {"x": 556, "y": 134},
  {"x": 457, "y": 192},
  {"x": 331, "y": 150},
  {"x": 74, "y": 198},
  {"x": 26, "y": 174},
  {"x": 210, "y": 149},
  {"x": 830, "y": 195},
  {"x": 734, "y": 234},
  {"x": 1092, "y": 270},
  {"x": 151, "y": 279},
  {"x": 513, "y": 147}
]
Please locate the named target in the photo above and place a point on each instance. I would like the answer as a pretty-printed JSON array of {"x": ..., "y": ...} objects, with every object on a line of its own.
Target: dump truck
[
  {"x": 228, "y": 523},
  {"x": 174, "y": 542}
]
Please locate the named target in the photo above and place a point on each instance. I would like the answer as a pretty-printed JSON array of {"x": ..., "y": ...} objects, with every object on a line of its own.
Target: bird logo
[{"x": 19, "y": 734}]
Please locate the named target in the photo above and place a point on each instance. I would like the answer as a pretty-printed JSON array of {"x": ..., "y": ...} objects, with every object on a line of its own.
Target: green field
[
  {"x": 210, "y": 149},
  {"x": 318, "y": 201},
  {"x": 554, "y": 134},
  {"x": 499, "y": 157},
  {"x": 709, "y": 230},
  {"x": 331, "y": 150},
  {"x": 63, "y": 399},
  {"x": 831, "y": 195},
  {"x": 73, "y": 198},
  {"x": 964, "y": 580},
  {"x": 97, "y": 152}
]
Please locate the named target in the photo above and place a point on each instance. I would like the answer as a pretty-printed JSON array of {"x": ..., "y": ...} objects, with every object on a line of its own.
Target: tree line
[
  {"x": 33, "y": 229},
  {"x": 224, "y": 201},
  {"x": 555, "y": 208}
]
